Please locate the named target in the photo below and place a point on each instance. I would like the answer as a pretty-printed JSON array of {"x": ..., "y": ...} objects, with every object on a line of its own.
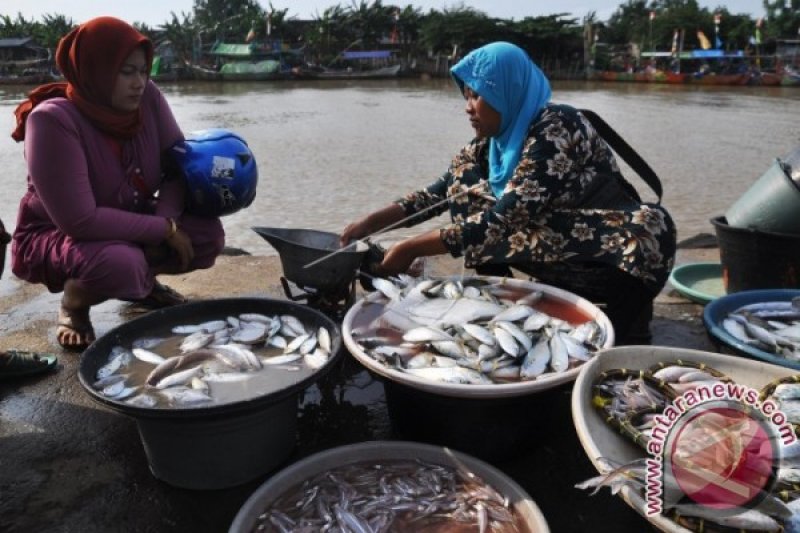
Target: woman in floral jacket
[{"x": 537, "y": 190}]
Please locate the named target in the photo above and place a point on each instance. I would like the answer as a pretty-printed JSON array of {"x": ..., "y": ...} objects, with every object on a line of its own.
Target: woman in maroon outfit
[{"x": 100, "y": 219}]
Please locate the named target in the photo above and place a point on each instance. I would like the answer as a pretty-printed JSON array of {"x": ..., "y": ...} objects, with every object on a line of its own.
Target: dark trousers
[{"x": 626, "y": 301}]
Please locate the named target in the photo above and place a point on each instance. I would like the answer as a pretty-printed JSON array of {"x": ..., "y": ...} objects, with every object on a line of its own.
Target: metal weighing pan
[{"x": 299, "y": 247}]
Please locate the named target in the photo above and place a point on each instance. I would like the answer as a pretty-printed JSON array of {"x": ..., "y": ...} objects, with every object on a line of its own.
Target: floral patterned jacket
[{"x": 549, "y": 210}]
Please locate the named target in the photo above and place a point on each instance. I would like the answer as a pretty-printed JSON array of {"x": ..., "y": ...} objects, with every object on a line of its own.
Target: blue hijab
[{"x": 502, "y": 74}]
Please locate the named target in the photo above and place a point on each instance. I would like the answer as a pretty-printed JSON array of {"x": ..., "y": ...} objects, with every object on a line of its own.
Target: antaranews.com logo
[{"x": 717, "y": 445}]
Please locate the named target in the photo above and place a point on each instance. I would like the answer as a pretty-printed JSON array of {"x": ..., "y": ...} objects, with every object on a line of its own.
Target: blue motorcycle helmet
[{"x": 220, "y": 172}]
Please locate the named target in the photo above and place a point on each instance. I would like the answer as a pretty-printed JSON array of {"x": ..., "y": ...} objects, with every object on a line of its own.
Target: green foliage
[
  {"x": 47, "y": 33},
  {"x": 780, "y": 21},
  {"x": 228, "y": 20},
  {"x": 370, "y": 23}
]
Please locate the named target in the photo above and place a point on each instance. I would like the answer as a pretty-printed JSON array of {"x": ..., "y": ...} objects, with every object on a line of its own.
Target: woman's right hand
[
  {"x": 371, "y": 223},
  {"x": 182, "y": 245},
  {"x": 354, "y": 231}
]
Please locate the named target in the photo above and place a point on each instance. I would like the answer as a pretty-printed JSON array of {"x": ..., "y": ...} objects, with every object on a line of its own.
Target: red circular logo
[{"x": 723, "y": 457}]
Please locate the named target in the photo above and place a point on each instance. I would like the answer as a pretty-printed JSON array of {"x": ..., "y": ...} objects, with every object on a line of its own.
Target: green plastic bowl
[{"x": 699, "y": 282}]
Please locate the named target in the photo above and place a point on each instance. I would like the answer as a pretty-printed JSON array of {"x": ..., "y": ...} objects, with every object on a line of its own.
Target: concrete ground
[{"x": 69, "y": 464}]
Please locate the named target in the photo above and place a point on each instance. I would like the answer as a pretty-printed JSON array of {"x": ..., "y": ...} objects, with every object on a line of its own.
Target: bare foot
[{"x": 74, "y": 330}]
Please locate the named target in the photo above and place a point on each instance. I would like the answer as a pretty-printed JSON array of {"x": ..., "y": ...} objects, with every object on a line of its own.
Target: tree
[
  {"x": 230, "y": 20},
  {"x": 464, "y": 27},
  {"x": 782, "y": 22},
  {"x": 184, "y": 36}
]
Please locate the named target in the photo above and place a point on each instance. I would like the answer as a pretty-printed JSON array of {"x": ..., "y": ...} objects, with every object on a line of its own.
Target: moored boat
[{"x": 347, "y": 74}]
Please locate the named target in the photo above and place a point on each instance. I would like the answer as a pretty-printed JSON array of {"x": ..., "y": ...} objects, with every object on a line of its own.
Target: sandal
[
  {"x": 162, "y": 296},
  {"x": 18, "y": 363},
  {"x": 75, "y": 325}
]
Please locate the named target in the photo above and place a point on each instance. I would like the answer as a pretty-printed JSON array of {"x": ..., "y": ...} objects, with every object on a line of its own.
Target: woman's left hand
[{"x": 400, "y": 257}]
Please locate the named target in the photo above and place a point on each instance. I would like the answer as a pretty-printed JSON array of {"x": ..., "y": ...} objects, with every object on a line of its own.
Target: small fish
[
  {"x": 559, "y": 358},
  {"x": 426, "y": 334},
  {"x": 295, "y": 344},
  {"x": 114, "y": 363},
  {"x": 506, "y": 341},
  {"x": 281, "y": 359},
  {"x": 142, "y": 400},
  {"x": 315, "y": 360},
  {"x": 293, "y": 325},
  {"x": 147, "y": 356},
  {"x": 387, "y": 288},
  {"x": 324, "y": 339},
  {"x": 479, "y": 333},
  {"x": 195, "y": 341},
  {"x": 536, "y": 360},
  {"x": 457, "y": 375},
  {"x": 514, "y": 313},
  {"x": 185, "y": 395},
  {"x": 253, "y": 333},
  {"x": 178, "y": 378}
]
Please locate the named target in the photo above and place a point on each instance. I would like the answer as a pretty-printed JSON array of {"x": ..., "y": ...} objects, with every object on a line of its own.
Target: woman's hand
[
  {"x": 354, "y": 231},
  {"x": 180, "y": 242},
  {"x": 398, "y": 259},
  {"x": 401, "y": 256},
  {"x": 375, "y": 221}
]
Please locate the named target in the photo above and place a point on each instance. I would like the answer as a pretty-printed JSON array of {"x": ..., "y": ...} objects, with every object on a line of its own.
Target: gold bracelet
[{"x": 173, "y": 228}]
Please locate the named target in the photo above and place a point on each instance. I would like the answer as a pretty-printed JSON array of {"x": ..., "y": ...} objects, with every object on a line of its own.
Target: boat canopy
[
  {"x": 252, "y": 50},
  {"x": 367, "y": 54},
  {"x": 699, "y": 54},
  {"x": 267, "y": 66}
]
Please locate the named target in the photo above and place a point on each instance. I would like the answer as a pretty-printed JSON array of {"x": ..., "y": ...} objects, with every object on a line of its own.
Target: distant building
[{"x": 21, "y": 55}]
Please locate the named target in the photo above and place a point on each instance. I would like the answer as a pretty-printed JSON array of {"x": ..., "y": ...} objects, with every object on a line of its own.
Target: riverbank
[{"x": 68, "y": 464}]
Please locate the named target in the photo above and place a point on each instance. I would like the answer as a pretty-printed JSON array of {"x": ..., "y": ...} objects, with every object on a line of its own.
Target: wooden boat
[
  {"x": 27, "y": 79},
  {"x": 658, "y": 76},
  {"x": 204, "y": 74},
  {"x": 267, "y": 61},
  {"x": 350, "y": 74},
  {"x": 790, "y": 77},
  {"x": 718, "y": 79},
  {"x": 766, "y": 78}
]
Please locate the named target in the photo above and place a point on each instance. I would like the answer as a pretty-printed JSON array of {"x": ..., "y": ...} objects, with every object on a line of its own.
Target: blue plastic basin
[{"x": 717, "y": 310}]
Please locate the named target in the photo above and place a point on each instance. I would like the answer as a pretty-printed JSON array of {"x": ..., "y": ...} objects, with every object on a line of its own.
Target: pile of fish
[
  {"x": 233, "y": 349},
  {"x": 787, "y": 397},
  {"x": 471, "y": 331},
  {"x": 630, "y": 400},
  {"x": 772, "y": 327},
  {"x": 391, "y": 496}
]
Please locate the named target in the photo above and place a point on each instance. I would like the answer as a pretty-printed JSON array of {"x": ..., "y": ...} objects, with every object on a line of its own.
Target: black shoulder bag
[{"x": 610, "y": 193}]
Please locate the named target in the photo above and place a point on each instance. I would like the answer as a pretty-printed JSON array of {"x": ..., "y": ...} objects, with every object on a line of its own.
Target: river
[{"x": 331, "y": 151}]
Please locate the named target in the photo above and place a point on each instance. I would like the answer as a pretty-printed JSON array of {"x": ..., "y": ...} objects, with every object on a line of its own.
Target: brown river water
[{"x": 331, "y": 151}]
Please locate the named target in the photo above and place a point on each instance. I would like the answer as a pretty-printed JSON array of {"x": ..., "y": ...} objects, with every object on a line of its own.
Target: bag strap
[{"x": 628, "y": 154}]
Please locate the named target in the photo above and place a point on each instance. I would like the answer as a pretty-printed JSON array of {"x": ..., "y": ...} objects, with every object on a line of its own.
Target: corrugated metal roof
[
  {"x": 367, "y": 54},
  {"x": 15, "y": 42}
]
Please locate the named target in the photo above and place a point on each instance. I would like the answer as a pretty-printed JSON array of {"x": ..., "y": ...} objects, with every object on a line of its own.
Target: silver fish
[
  {"x": 178, "y": 378},
  {"x": 559, "y": 358},
  {"x": 324, "y": 339},
  {"x": 456, "y": 374},
  {"x": 426, "y": 334},
  {"x": 147, "y": 356},
  {"x": 281, "y": 359},
  {"x": 536, "y": 360},
  {"x": 479, "y": 333},
  {"x": 315, "y": 360}
]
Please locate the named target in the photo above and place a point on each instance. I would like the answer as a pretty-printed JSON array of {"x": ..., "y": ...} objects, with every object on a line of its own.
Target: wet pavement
[{"x": 70, "y": 464}]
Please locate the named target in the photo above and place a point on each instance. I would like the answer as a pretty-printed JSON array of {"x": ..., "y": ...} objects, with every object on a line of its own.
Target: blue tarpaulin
[
  {"x": 716, "y": 53},
  {"x": 371, "y": 54}
]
